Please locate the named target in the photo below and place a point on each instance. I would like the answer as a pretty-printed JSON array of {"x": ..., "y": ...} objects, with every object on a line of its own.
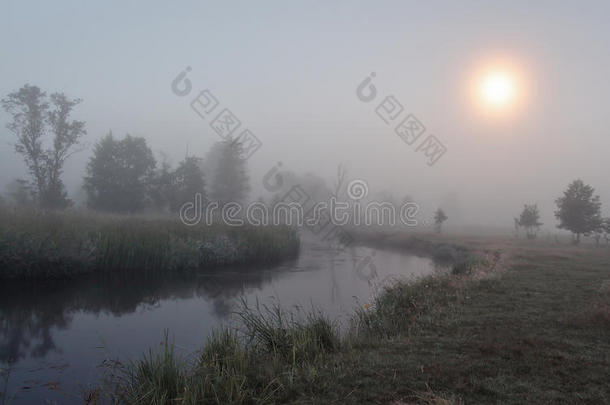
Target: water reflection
[
  {"x": 56, "y": 334},
  {"x": 28, "y": 313}
]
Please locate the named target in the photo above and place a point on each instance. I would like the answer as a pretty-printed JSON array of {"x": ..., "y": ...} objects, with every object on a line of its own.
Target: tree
[
  {"x": 578, "y": 210},
  {"x": 20, "y": 192},
  {"x": 439, "y": 218},
  {"x": 530, "y": 220},
  {"x": 161, "y": 186},
  {"x": 230, "y": 177},
  {"x": 32, "y": 119},
  {"x": 606, "y": 230},
  {"x": 517, "y": 227},
  {"x": 340, "y": 182},
  {"x": 188, "y": 180},
  {"x": 66, "y": 135},
  {"x": 119, "y": 174}
]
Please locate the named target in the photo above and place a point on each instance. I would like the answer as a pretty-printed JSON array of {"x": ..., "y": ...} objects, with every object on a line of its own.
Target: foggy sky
[{"x": 289, "y": 71}]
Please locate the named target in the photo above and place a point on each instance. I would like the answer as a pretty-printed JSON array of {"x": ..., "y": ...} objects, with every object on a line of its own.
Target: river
[{"x": 55, "y": 336}]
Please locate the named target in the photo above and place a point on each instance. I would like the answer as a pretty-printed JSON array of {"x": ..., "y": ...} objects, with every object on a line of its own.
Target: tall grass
[
  {"x": 160, "y": 378},
  {"x": 402, "y": 305},
  {"x": 260, "y": 363},
  {"x": 43, "y": 244},
  {"x": 276, "y": 355},
  {"x": 285, "y": 335}
]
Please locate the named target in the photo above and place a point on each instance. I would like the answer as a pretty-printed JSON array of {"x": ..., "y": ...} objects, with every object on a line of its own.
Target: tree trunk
[{"x": 577, "y": 240}]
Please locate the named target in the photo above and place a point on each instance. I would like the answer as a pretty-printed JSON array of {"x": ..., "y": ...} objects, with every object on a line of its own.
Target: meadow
[
  {"x": 39, "y": 244},
  {"x": 521, "y": 323}
]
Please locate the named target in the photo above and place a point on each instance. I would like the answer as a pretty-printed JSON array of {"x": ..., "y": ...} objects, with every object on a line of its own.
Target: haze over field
[
  {"x": 281, "y": 202},
  {"x": 290, "y": 71}
]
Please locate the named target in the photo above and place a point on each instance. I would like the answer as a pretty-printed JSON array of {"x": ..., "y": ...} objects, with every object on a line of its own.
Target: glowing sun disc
[{"x": 498, "y": 89}]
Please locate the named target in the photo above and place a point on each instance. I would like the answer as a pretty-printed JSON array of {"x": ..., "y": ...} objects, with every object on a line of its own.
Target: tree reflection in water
[{"x": 30, "y": 313}]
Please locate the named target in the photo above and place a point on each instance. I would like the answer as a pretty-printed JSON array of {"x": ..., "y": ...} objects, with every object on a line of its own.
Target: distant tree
[
  {"x": 597, "y": 235},
  {"x": 32, "y": 119},
  {"x": 118, "y": 174},
  {"x": 517, "y": 227},
  {"x": 66, "y": 135},
  {"x": 188, "y": 180},
  {"x": 211, "y": 162},
  {"x": 230, "y": 176},
  {"x": 20, "y": 192},
  {"x": 606, "y": 230},
  {"x": 339, "y": 182},
  {"x": 439, "y": 218},
  {"x": 578, "y": 210},
  {"x": 530, "y": 220},
  {"x": 161, "y": 185}
]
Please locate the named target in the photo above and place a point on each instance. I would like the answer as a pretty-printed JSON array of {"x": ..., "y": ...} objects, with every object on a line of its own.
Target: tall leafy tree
[
  {"x": 118, "y": 174},
  {"x": 530, "y": 220},
  {"x": 230, "y": 181},
  {"x": 579, "y": 210},
  {"x": 66, "y": 135},
  {"x": 32, "y": 119}
]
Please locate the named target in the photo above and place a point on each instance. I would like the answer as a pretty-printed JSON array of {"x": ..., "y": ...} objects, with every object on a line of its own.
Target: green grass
[
  {"x": 38, "y": 244},
  {"x": 266, "y": 361},
  {"x": 537, "y": 332}
]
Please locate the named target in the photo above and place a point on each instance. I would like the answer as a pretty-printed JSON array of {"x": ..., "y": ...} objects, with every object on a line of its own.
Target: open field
[
  {"x": 523, "y": 324},
  {"x": 536, "y": 331}
]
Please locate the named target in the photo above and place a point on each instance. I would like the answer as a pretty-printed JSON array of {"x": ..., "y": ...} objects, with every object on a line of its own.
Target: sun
[{"x": 498, "y": 89}]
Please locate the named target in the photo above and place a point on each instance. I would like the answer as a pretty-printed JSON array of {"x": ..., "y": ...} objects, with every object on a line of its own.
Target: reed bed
[{"x": 36, "y": 244}]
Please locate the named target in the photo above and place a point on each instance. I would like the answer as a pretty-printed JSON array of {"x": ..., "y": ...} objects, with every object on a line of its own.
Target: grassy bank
[
  {"x": 41, "y": 244},
  {"x": 530, "y": 327},
  {"x": 441, "y": 250}
]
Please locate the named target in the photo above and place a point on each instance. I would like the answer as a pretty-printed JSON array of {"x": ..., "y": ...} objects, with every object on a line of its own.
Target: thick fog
[{"x": 290, "y": 72}]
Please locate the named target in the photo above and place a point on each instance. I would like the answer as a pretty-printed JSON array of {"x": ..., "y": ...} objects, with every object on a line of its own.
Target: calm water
[{"x": 56, "y": 336}]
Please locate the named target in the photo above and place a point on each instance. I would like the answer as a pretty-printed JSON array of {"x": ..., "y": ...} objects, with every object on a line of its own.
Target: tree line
[
  {"x": 578, "y": 211},
  {"x": 122, "y": 175}
]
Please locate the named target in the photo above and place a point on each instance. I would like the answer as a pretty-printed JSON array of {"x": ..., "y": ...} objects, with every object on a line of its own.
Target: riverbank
[
  {"x": 531, "y": 325},
  {"x": 38, "y": 245},
  {"x": 535, "y": 330}
]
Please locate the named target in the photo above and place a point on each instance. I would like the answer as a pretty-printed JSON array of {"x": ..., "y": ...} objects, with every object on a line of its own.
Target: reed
[
  {"x": 37, "y": 244},
  {"x": 260, "y": 363}
]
